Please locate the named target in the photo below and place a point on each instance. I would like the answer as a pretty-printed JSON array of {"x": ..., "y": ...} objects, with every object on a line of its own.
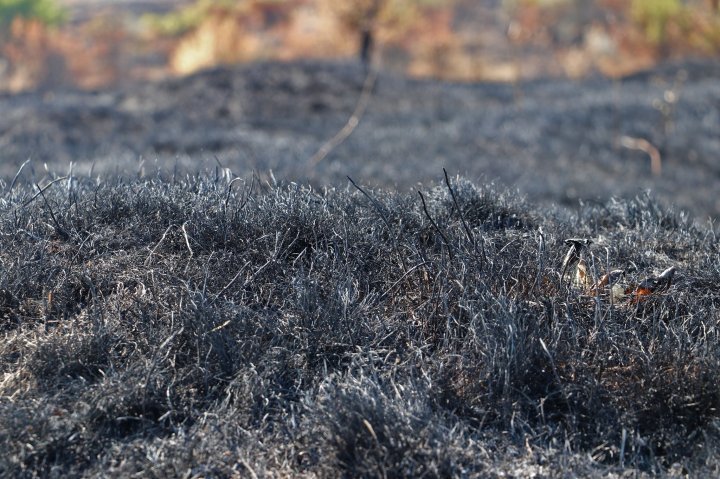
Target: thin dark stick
[
  {"x": 59, "y": 229},
  {"x": 374, "y": 202},
  {"x": 457, "y": 206},
  {"x": 378, "y": 207},
  {"x": 42, "y": 190},
  {"x": 352, "y": 122},
  {"x": 447, "y": 243},
  {"x": 468, "y": 231}
]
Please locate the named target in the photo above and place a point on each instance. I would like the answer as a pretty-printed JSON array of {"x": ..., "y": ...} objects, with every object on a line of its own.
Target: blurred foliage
[
  {"x": 353, "y": 14},
  {"x": 510, "y": 4},
  {"x": 707, "y": 37},
  {"x": 187, "y": 18},
  {"x": 665, "y": 27},
  {"x": 396, "y": 15},
  {"x": 45, "y": 11},
  {"x": 655, "y": 17}
]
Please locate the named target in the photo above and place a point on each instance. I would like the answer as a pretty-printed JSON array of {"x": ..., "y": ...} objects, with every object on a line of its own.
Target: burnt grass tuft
[{"x": 208, "y": 328}]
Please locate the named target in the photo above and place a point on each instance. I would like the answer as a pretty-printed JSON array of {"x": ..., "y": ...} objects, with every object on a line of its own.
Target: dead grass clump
[{"x": 207, "y": 328}]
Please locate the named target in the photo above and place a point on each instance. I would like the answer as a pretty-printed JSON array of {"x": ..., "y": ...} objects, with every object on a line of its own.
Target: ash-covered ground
[
  {"x": 199, "y": 326},
  {"x": 556, "y": 141}
]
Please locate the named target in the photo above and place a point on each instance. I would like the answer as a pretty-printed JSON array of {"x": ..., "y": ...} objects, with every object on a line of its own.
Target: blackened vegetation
[
  {"x": 556, "y": 140},
  {"x": 201, "y": 328}
]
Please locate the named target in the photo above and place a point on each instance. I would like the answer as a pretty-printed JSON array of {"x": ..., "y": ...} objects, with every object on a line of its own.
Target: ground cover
[
  {"x": 205, "y": 325},
  {"x": 557, "y": 141}
]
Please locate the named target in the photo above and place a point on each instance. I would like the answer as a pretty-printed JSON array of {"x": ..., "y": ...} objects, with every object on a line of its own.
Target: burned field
[
  {"x": 558, "y": 141},
  {"x": 208, "y": 326}
]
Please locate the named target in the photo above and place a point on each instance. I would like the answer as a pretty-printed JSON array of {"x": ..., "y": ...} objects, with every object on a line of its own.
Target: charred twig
[
  {"x": 437, "y": 228},
  {"x": 229, "y": 190},
  {"x": 352, "y": 122},
  {"x": 375, "y": 203},
  {"x": 468, "y": 232},
  {"x": 58, "y": 228},
  {"x": 42, "y": 190}
]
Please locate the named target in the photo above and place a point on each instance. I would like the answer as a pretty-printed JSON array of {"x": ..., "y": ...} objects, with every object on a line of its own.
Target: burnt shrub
[{"x": 217, "y": 328}]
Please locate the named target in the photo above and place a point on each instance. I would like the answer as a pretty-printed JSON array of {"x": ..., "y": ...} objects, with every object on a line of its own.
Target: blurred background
[
  {"x": 101, "y": 43},
  {"x": 566, "y": 101}
]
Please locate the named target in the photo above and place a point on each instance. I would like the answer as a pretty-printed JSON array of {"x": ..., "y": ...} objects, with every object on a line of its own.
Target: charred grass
[{"x": 215, "y": 328}]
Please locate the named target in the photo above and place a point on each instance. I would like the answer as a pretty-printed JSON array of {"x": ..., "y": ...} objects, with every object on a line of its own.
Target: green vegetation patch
[{"x": 45, "y": 11}]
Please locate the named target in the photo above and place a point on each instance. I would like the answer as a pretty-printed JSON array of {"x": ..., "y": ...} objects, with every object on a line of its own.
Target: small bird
[
  {"x": 654, "y": 284},
  {"x": 573, "y": 256}
]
